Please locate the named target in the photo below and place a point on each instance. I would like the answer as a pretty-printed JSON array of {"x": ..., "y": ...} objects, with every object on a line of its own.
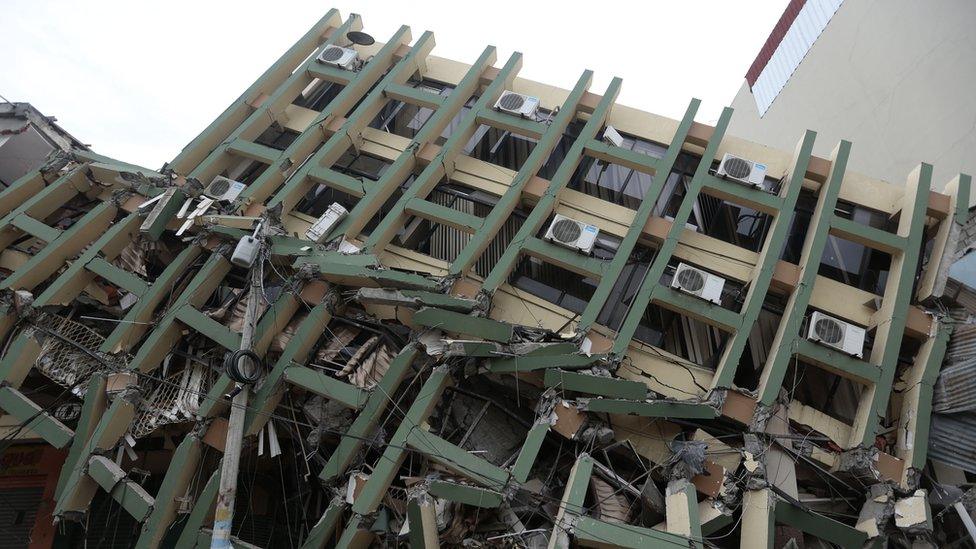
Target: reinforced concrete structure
[{"x": 434, "y": 367}]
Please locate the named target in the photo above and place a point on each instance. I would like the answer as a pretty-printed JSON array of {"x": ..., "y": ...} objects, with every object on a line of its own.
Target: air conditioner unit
[
  {"x": 222, "y": 188},
  {"x": 698, "y": 283},
  {"x": 517, "y": 104},
  {"x": 613, "y": 137},
  {"x": 742, "y": 170},
  {"x": 572, "y": 234},
  {"x": 344, "y": 58},
  {"x": 838, "y": 334},
  {"x": 332, "y": 216}
]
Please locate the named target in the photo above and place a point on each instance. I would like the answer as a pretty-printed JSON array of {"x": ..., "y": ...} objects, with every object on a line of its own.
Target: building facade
[
  {"x": 891, "y": 76},
  {"x": 484, "y": 311}
]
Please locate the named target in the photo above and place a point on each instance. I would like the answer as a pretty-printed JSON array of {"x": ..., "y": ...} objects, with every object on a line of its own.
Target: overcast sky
[{"x": 138, "y": 80}]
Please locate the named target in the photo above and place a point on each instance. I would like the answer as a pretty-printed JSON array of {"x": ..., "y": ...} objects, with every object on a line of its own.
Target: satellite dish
[{"x": 361, "y": 38}]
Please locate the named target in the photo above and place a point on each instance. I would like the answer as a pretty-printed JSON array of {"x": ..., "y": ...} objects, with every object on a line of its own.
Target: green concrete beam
[
  {"x": 457, "y": 459},
  {"x": 561, "y": 256},
  {"x": 69, "y": 284},
  {"x": 511, "y": 123},
  {"x": 20, "y": 357},
  {"x": 653, "y": 408},
  {"x": 468, "y": 495},
  {"x": 531, "y": 363},
  {"x": 123, "y": 279},
  {"x": 132, "y": 497},
  {"x": 21, "y": 190},
  {"x": 544, "y": 207},
  {"x": 458, "y": 323},
  {"x": 386, "y": 468},
  {"x": 639, "y": 161},
  {"x": 354, "y": 275},
  {"x": 202, "y": 509},
  {"x": 92, "y": 409},
  {"x": 370, "y": 415},
  {"x": 664, "y": 166},
  {"x": 513, "y": 195},
  {"x": 529, "y": 451},
  {"x": 819, "y": 526},
  {"x": 796, "y": 307},
  {"x": 681, "y": 503},
  {"x": 590, "y": 532},
  {"x": 38, "y": 203},
  {"x": 699, "y": 309},
  {"x": 136, "y": 321},
  {"x": 837, "y": 362},
  {"x": 34, "y": 227},
  {"x": 181, "y": 471},
  {"x": 80, "y": 488},
  {"x": 415, "y": 96},
  {"x": 766, "y": 264},
  {"x": 323, "y": 532},
  {"x": 743, "y": 195},
  {"x": 34, "y": 418},
  {"x": 329, "y": 387},
  {"x": 437, "y": 168},
  {"x": 253, "y": 151},
  {"x": 872, "y": 237},
  {"x": 571, "y": 504},
  {"x": 52, "y": 257},
  {"x": 213, "y": 330},
  {"x": 168, "y": 206},
  {"x": 422, "y": 521},
  {"x": 348, "y": 184},
  {"x": 650, "y": 287},
  {"x": 595, "y": 385},
  {"x": 268, "y": 395},
  {"x": 444, "y": 215}
]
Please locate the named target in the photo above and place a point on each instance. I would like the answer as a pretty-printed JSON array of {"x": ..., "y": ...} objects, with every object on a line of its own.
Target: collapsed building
[{"x": 388, "y": 298}]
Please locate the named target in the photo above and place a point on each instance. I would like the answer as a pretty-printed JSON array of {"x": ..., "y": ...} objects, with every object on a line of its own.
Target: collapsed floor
[{"x": 399, "y": 403}]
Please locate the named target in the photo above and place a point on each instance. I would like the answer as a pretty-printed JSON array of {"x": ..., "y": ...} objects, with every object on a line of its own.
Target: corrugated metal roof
[
  {"x": 955, "y": 390},
  {"x": 775, "y": 37},
  {"x": 953, "y": 440},
  {"x": 809, "y": 23}
]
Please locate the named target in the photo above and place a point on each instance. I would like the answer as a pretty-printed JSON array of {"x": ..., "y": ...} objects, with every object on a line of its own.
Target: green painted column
[
  {"x": 650, "y": 286},
  {"x": 662, "y": 171},
  {"x": 544, "y": 207},
  {"x": 781, "y": 350},
  {"x": 500, "y": 213},
  {"x": 433, "y": 172},
  {"x": 765, "y": 266}
]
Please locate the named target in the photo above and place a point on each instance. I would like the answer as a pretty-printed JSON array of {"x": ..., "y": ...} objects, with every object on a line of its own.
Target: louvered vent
[
  {"x": 738, "y": 168},
  {"x": 512, "y": 101},
  {"x": 829, "y": 330},
  {"x": 691, "y": 280},
  {"x": 566, "y": 230},
  {"x": 332, "y": 54}
]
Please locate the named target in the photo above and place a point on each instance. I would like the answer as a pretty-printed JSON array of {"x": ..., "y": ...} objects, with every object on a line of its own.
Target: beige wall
[{"x": 895, "y": 77}]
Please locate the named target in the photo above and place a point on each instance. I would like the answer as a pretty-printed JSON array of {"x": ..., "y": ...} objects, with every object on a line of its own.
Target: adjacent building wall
[{"x": 896, "y": 77}]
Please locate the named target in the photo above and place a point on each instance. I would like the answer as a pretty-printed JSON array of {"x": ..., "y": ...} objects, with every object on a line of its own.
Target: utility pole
[{"x": 224, "y": 514}]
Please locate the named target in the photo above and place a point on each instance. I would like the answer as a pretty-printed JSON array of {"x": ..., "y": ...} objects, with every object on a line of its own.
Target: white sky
[{"x": 138, "y": 80}]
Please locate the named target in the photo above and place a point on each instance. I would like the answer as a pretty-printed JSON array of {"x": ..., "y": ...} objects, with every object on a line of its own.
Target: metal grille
[
  {"x": 172, "y": 399},
  {"x": 566, "y": 230},
  {"x": 218, "y": 187},
  {"x": 332, "y": 54},
  {"x": 63, "y": 357},
  {"x": 512, "y": 102},
  {"x": 737, "y": 168},
  {"x": 828, "y": 330},
  {"x": 691, "y": 280}
]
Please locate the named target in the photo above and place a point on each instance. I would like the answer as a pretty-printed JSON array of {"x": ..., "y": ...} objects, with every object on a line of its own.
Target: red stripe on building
[{"x": 775, "y": 37}]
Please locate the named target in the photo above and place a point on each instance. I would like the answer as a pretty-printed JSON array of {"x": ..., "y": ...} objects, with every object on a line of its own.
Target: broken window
[{"x": 277, "y": 137}]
